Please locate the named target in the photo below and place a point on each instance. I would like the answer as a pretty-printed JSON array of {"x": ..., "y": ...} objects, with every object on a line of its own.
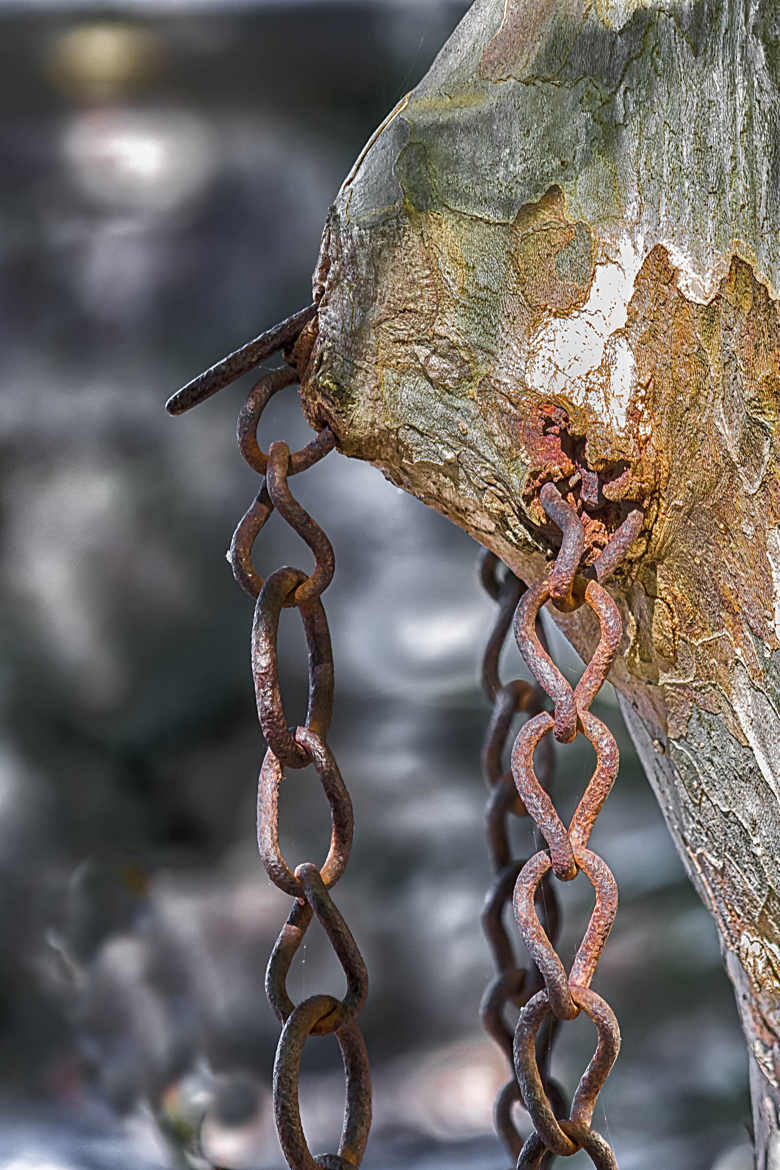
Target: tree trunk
[{"x": 557, "y": 260}]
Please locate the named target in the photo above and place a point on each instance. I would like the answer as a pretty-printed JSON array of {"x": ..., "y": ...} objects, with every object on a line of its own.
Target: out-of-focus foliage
[{"x": 166, "y": 174}]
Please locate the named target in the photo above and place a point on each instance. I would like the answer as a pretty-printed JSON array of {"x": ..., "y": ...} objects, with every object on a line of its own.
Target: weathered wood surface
[{"x": 557, "y": 256}]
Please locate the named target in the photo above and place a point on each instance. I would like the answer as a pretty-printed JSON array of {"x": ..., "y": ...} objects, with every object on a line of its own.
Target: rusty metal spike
[{"x": 240, "y": 362}]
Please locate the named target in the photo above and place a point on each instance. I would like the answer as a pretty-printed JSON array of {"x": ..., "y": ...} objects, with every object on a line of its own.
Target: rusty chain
[
  {"x": 545, "y": 995},
  {"x": 296, "y": 747},
  {"x": 563, "y": 996},
  {"x": 308, "y": 885},
  {"x": 512, "y": 985}
]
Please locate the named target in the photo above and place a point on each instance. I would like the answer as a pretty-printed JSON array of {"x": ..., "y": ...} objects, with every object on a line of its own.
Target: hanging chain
[
  {"x": 291, "y": 748},
  {"x": 512, "y": 984},
  {"x": 309, "y": 884},
  {"x": 564, "y": 996}
]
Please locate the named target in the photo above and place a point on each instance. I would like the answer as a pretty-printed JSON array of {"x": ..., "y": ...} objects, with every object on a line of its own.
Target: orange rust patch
[{"x": 541, "y": 432}]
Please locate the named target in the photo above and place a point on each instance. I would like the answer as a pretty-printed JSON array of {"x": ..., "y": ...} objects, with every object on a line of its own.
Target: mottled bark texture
[{"x": 558, "y": 260}]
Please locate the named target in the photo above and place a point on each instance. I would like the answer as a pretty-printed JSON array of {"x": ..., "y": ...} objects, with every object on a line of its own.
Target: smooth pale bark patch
[{"x": 558, "y": 257}]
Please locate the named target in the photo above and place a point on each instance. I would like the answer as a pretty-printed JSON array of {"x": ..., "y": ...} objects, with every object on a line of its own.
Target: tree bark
[{"x": 557, "y": 260}]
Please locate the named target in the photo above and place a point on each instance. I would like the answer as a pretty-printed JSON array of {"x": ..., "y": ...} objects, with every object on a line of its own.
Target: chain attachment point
[{"x": 249, "y": 418}]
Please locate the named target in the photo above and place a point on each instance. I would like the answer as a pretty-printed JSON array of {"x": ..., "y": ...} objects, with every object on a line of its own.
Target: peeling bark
[{"x": 557, "y": 260}]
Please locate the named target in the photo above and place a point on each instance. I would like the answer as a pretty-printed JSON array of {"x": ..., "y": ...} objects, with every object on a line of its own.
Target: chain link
[
  {"x": 296, "y": 747},
  {"x": 562, "y": 996}
]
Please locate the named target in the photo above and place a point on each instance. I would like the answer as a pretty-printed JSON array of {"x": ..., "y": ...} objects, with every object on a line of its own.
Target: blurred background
[{"x": 167, "y": 168}]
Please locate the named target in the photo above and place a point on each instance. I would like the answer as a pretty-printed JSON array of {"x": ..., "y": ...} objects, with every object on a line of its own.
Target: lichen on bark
[{"x": 556, "y": 260}]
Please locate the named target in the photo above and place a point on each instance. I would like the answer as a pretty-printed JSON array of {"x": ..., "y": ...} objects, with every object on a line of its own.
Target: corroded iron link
[
  {"x": 513, "y": 985},
  {"x": 563, "y": 996},
  {"x": 291, "y": 746},
  {"x": 561, "y": 579}
]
